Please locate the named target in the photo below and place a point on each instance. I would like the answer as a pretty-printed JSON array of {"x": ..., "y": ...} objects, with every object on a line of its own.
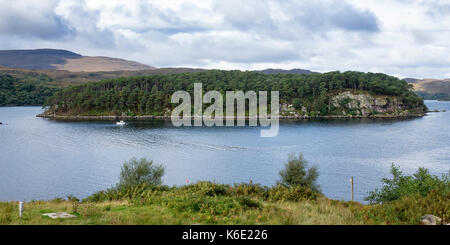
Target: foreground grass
[
  {"x": 200, "y": 203},
  {"x": 210, "y": 203},
  {"x": 321, "y": 211}
]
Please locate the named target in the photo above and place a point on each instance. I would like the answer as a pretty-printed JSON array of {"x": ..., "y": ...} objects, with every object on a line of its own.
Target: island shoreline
[{"x": 150, "y": 117}]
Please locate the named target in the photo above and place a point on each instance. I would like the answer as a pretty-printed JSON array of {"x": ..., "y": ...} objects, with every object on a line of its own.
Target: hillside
[
  {"x": 33, "y": 87},
  {"x": 433, "y": 88},
  {"x": 330, "y": 94},
  {"x": 54, "y": 59},
  {"x": 411, "y": 80},
  {"x": 61, "y": 78},
  {"x": 19, "y": 92}
]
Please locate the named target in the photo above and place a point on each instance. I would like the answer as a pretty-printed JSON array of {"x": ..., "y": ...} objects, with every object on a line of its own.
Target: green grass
[
  {"x": 210, "y": 203},
  {"x": 201, "y": 203},
  {"x": 322, "y": 211}
]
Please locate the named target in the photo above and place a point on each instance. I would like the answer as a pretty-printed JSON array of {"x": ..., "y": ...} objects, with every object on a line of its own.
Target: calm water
[{"x": 44, "y": 159}]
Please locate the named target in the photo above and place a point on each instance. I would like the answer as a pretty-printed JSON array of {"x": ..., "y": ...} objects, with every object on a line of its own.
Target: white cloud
[
  {"x": 404, "y": 37},
  {"x": 31, "y": 19}
]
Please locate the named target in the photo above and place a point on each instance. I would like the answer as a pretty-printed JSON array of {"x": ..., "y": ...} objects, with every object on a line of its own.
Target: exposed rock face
[
  {"x": 355, "y": 104},
  {"x": 430, "y": 219},
  {"x": 366, "y": 104}
]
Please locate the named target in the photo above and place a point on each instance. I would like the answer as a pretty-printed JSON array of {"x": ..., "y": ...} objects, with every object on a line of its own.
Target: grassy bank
[
  {"x": 209, "y": 203},
  {"x": 140, "y": 198},
  {"x": 201, "y": 203},
  {"x": 126, "y": 213}
]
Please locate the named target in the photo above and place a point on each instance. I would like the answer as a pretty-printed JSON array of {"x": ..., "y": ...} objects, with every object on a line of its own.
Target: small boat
[{"x": 121, "y": 123}]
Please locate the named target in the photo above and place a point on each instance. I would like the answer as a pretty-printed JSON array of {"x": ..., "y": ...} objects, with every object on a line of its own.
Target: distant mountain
[
  {"x": 432, "y": 88},
  {"x": 55, "y": 59},
  {"x": 411, "y": 80},
  {"x": 63, "y": 78},
  {"x": 282, "y": 71}
]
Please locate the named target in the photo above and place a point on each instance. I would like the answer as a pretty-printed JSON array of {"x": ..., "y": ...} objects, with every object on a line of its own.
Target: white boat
[{"x": 121, "y": 123}]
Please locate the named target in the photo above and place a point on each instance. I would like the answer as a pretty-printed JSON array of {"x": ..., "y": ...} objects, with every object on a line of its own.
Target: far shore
[{"x": 150, "y": 117}]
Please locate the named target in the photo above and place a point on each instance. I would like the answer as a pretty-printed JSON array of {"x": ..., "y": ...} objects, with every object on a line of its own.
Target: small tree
[
  {"x": 142, "y": 171},
  {"x": 421, "y": 183},
  {"x": 297, "y": 103},
  {"x": 296, "y": 174}
]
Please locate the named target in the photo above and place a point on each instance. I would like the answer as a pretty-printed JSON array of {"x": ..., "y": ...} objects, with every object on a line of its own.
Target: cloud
[
  {"x": 353, "y": 20},
  {"x": 331, "y": 15},
  {"x": 32, "y": 19},
  {"x": 437, "y": 9},
  {"x": 402, "y": 37}
]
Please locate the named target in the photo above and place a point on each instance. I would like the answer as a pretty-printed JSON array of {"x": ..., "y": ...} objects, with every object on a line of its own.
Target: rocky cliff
[{"x": 356, "y": 104}]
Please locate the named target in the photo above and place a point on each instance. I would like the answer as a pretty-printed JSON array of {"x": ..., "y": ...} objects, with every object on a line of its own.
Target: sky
[{"x": 404, "y": 38}]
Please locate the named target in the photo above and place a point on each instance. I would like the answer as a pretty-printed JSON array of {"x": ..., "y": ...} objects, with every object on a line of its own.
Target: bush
[
  {"x": 297, "y": 103},
  {"x": 226, "y": 206},
  {"x": 249, "y": 203},
  {"x": 404, "y": 199},
  {"x": 294, "y": 193},
  {"x": 295, "y": 173},
  {"x": 250, "y": 189},
  {"x": 137, "y": 192},
  {"x": 136, "y": 172},
  {"x": 409, "y": 209},
  {"x": 207, "y": 188},
  {"x": 419, "y": 184},
  {"x": 75, "y": 203}
]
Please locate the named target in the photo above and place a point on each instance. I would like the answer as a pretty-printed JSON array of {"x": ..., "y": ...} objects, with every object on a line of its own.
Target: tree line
[
  {"x": 150, "y": 95},
  {"x": 15, "y": 91}
]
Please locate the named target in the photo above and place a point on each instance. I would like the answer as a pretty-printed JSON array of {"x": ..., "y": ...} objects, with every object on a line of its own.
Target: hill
[
  {"x": 315, "y": 95},
  {"x": 19, "y": 92},
  {"x": 33, "y": 87},
  {"x": 55, "y": 59},
  {"x": 433, "y": 88},
  {"x": 61, "y": 78},
  {"x": 411, "y": 80}
]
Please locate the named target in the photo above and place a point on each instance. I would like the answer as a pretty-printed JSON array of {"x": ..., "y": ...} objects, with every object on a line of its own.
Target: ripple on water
[{"x": 43, "y": 159}]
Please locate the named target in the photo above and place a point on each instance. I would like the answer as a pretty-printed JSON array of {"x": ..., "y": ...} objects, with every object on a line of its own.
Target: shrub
[
  {"x": 404, "y": 199},
  {"x": 343, "y": 103},
  {"x": 295, "y": 173},
  {"x": 294, "y": 193},
  {"x": 207, "y": 205},
  {"x": 409, "y": 209},
  {"x": 248, "y": 203},
  {"x": 136, "y": 172},
  {"x": 190, "y": 203},
  {"x": 131, "y": 192},
  {"x": 207, "y": 188},
  {"x": 75, "y": 203},
  {"x": 297, "y": 103},
  {"x": 419, "y": 184},
  {"x": 250, "y": 189}
]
